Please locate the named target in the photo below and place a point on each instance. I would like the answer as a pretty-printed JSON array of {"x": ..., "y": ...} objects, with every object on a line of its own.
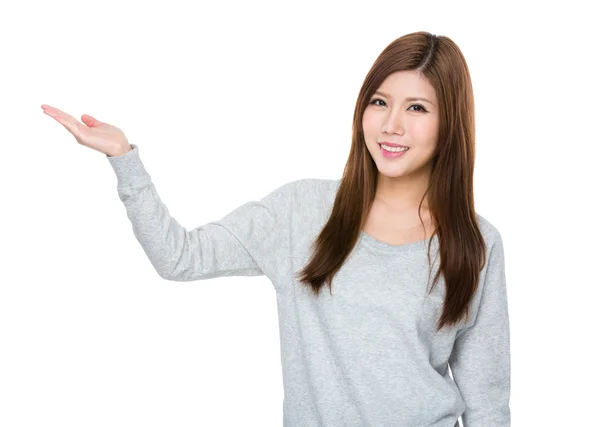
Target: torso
[{"x": 395, "y": 229}]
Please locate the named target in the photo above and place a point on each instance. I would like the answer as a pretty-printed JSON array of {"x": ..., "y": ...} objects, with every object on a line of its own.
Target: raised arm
[
  {"x": 243, "y": 243},
  {"x": 252, "y": 240}
]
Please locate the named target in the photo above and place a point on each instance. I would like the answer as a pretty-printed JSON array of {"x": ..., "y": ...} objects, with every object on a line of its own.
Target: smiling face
[{"x": 393, "y": 116}]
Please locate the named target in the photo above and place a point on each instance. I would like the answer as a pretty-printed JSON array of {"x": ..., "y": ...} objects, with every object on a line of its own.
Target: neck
[{"x": 402, "y": 195}]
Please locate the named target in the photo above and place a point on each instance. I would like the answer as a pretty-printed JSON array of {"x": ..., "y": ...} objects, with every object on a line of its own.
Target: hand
[{"x": 97, "y": 135}]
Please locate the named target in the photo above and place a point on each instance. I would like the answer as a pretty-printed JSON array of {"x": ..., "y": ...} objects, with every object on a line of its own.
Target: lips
[
  {"x": 392, "y": 144},
  {"x": 392, "y": 154}
]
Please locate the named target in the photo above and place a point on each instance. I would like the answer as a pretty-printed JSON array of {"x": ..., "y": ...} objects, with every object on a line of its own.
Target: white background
[{"x": 227, "y": 101}]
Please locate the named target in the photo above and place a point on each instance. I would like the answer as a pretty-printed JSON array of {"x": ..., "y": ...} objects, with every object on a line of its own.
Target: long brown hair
[{"x": 450, "y": 188}]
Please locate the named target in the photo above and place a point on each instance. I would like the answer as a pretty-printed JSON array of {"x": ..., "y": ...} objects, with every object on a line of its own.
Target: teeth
[{"x": 393, "y": 149}]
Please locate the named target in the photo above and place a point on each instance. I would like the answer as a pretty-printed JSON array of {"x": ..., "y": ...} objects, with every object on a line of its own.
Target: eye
[
  {"x": 412, "y": 105},
  {"x": 420, "y": 106},
  {"x": 375, "y": 100}
]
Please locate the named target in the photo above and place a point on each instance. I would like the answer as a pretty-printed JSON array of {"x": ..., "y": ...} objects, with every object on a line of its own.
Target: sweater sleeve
[
  {"x": 245, "y": 242},
  {"x": 480, "y": 359}
]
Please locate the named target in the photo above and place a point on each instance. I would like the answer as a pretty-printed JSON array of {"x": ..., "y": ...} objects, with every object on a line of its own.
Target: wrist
[{"x": 121, "y": 151}]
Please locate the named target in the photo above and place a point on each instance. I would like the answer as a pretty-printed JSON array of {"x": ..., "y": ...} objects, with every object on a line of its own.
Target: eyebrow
[{"x": 413, "y": 98}]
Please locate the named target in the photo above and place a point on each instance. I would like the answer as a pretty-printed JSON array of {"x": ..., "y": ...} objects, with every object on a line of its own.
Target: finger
[
  {"x": 55, "y": 112},
  {"x": 90, "y": 121},
  {"x": 70, "y": 124},
  {"x": 68, "y": 121}
]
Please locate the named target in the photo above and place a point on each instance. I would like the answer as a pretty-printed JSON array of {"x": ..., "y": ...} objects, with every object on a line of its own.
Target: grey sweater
[{"x": 367, "y": 355}]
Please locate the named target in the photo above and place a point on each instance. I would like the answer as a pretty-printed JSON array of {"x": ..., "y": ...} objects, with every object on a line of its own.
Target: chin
[{"x": 392, "y": 174}]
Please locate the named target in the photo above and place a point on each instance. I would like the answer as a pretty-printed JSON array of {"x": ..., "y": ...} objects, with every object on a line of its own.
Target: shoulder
[
  {"x": 303, "y": 192},
  {"x": 490, "y": 232},
  {"x": 319, "y": 183},
  {"x": 312, "y": 187}
]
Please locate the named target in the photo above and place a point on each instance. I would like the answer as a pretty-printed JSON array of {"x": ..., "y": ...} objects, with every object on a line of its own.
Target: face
[{"x": 390, "y": 117}]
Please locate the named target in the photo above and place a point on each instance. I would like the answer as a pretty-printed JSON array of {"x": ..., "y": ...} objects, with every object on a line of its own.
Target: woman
[{"x": 374, "y": 350}]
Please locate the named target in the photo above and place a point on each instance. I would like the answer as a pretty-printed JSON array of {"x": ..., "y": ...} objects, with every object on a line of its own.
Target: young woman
[{"x": 374, "y": 350}]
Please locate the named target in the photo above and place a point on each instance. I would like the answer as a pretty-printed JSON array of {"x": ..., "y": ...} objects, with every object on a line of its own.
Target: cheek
[
  {"x": 369, "y": 124},
  {"x": 424, "y": 130}
]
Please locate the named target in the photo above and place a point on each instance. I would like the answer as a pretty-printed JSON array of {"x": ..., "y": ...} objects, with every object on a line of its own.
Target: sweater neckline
[{"x": 378, "y": 244}]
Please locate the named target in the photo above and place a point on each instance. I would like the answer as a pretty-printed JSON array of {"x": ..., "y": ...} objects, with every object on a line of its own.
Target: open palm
[{"x": 93, "y": 133}]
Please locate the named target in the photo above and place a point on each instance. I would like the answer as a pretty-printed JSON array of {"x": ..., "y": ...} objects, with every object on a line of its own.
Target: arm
[
  {"x": 243, "y": 243},
  {"x": 480, "y": 359}
]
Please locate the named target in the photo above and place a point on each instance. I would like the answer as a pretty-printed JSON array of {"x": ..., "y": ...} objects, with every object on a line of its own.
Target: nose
[{"x": 393, "y": 123}]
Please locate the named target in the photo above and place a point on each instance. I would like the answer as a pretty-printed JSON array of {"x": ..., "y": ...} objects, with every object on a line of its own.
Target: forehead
[{"x": 403, "y": 84}]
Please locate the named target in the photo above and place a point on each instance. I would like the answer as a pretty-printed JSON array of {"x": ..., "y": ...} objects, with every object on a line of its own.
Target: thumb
[{"x": 90, "y": 121}]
